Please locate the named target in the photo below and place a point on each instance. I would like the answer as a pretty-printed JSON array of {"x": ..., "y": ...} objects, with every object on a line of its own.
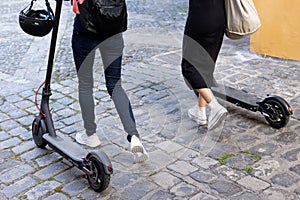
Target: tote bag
[{"x": 242, "y": 18}]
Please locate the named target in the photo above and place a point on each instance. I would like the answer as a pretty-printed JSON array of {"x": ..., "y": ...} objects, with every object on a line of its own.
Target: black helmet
[{"x": 37, "y": 22}]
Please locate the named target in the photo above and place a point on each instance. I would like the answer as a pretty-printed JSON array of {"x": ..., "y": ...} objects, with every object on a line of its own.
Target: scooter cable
[{"x": 35, "y": 99}]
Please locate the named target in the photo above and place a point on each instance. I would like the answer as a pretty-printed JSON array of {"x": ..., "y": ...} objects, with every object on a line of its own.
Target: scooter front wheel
[
  {"x": 38, "y": 132},
  {"x": 97, "y": 178},
  {"x": 276, "y": 113}
]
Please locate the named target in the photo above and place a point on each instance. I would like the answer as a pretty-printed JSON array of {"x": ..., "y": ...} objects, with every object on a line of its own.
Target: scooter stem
[
  {"x": 53, "y": 43},
  {"x": 47, "y": 90}
]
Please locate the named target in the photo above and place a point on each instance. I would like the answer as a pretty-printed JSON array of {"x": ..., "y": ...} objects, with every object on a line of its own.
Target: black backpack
[{"x": 103, "y": 17}]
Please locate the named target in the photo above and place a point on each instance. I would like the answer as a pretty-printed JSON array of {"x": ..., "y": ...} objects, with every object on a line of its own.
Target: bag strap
[{"x": 49, "y": 9}]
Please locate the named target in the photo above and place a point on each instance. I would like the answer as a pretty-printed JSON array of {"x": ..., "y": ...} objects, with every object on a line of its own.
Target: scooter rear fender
[
  {"x": 288, "y": 109},
  {"x": 104, "y": 160}
]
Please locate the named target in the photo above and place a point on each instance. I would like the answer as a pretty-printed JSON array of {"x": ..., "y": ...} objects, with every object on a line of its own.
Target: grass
[
  {"x": 222, "y": 160},
  {"x": 248, "y": 169}
]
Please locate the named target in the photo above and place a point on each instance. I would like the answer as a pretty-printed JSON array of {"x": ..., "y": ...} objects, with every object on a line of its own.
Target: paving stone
[
  {"x": 203, "y": 196},
  {"x": 18, "y": 131},
  {"x": 184, "y": 190},
  {"x": 291, "y": 155},
  {"x": 203, "y": 177},
  {"x": 24, "y": 146},
  {"x": 205, "y": 162},
  {"x": 165, "y": 179},
  {"x": 18, "y": 187},
  {"x": 3, "y": 117},
  {"x": 5, "y": 166},
  {"x": 284, "y": 179},
  {"x": 66, "y": 112},
  {"x": 13, "y": 98},
  {"x": 182, "y": 167},
  {"x": 220, "y": 149},
  {"x": 57, "y": 196},
  {"x": 69, "y": 175},
  {"x": 278, "y": 194},
  {"x": 10, "y": 143},
  {"x": 26, "y": 94},
  {"x": 2, "y": 197},
  {"x": 226, "y": 188},
  {"x": 26, "y": 120},
  {"x": 249, "y": 139},
  {"x": 121, "y": 180},
  {"x": 287, "y": 138},
  {"x": 68, "y": 129},
  {"x": 7, "y": 107},
  {"x": 57, "y": 106},
  {"x": 8, "y": 125},
  {"x": 241, "y": 160},
  {"x": 51, "y": 170},
  {"x": 187, "y": 155},
  {"x": 18, "y": 113},
  {"x": 264, "y": 149},
  {"x": 16, "y": 173},
  {"x": 4, "y": 154},
  {"x": 296, "y": 169},
  {"x": 88, "y": 195},
  {"x": 48, "y": 159},
  {"x": 229, "y": 172},
  {"x": 75, "y": 187},
  {"x": 161, "y": 195},
  {"x": 137, "y": 190},
  {"x": 41, "y": 190},
  {"x": 34, "y": 153},
  {"x": 253, "y": 183},
  {"x": 246, "y": 196},
  {"x": 4, "y": 136},
  {"x": 25, "y": 104},
  {"x": 265, "y": 167},
  {"x": 169, "y": 146}
]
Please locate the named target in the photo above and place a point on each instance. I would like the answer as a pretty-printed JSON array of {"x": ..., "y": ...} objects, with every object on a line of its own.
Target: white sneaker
[
  {"x": 91, "y": 141},
  {"x": 138, "y": 150},
  {"x": 195, "y": 115},
  {"x": 217, "y": 114}
]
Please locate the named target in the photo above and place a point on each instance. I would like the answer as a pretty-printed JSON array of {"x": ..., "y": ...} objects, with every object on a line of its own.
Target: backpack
[{"x": 103, "y": 17}]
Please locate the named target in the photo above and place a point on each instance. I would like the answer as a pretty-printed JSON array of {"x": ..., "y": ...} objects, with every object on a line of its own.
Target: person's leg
[
  {"x": 84, "y": 59},
  {"x": 201, "y": 102},
  {"x": 111, "y": 53},
  {"x": 198, "y": 112},
  {"x": 217, "y": 112}
]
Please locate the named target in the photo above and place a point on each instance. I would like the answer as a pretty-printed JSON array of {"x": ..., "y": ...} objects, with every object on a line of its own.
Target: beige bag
[{"x": 242, "y": 18}]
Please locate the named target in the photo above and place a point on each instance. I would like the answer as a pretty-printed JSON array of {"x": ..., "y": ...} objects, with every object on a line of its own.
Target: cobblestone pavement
[{"x": 246, "y": 159}]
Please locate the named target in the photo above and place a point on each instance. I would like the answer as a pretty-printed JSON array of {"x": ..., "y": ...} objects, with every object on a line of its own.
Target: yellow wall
[{"x": 279, "y": 34}]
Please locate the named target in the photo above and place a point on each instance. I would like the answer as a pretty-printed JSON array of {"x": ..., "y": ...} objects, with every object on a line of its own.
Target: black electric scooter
[
  {"x": 274, "y": 108},
  {"x": 95, "y": 164}
]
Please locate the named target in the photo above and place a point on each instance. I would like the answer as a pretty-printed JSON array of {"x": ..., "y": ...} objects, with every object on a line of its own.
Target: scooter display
[
  {"x": 95, "y": 164},
  {"x": 275, "y": 109}
]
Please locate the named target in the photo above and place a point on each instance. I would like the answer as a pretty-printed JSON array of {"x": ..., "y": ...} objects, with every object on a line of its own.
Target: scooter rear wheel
[
  {"x": 277, "y": 117},
  {"x": 98, "y": 179},
  {"x": 37, "y": 133}
]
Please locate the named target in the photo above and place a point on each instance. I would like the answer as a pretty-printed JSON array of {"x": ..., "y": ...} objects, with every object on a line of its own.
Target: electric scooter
[
  {"x": 95, "y": 164},
  {"x": 275, "y": 109}
]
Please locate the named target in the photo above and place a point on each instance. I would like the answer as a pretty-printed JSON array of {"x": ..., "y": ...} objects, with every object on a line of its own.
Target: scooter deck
[
  {"x": 66, "y": 146},
  {"x": 237, "y": 97}
]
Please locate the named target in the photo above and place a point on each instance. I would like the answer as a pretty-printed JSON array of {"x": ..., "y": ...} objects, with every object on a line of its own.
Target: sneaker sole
[
  {"x": 137, "y": 149},
  {"x": 200, "y": 123},
  {"x": 140, "y": 157},
  {"x": 218, "y": 121}
]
